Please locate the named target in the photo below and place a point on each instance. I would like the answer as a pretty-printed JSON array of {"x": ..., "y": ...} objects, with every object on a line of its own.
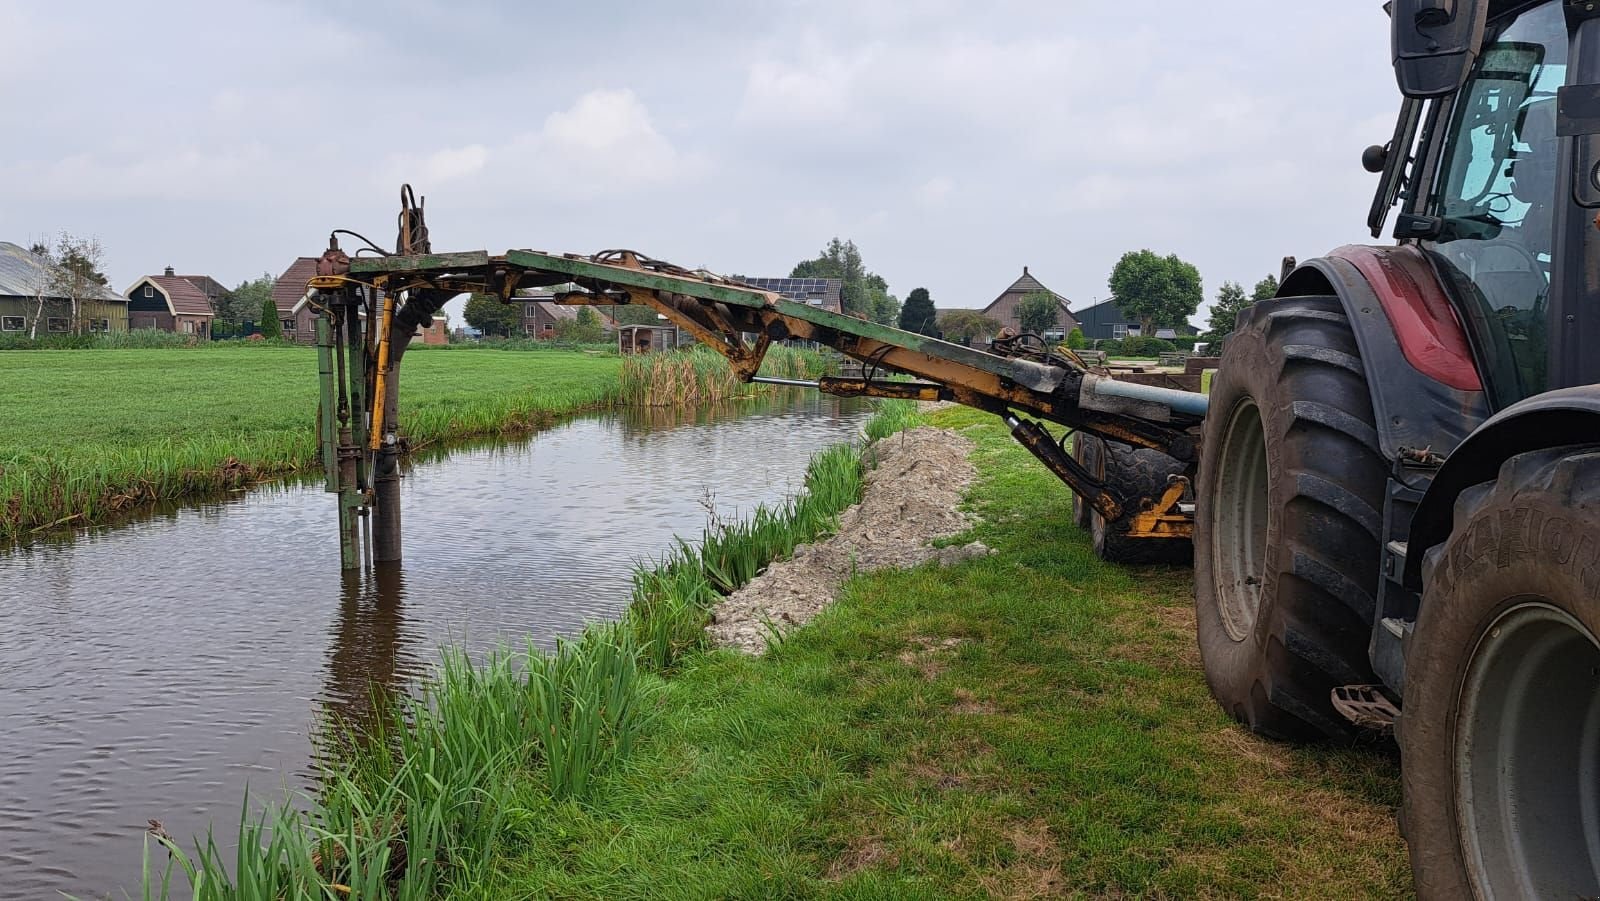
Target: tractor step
[{"x": 1366, "y": 706}]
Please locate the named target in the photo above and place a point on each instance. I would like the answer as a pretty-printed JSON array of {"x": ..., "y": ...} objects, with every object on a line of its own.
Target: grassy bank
[
  {"x": 440, "y": 793},
  {"x": 1033, "y": 723},
  {"x": 1030, "y": 724},
  {"x": 84, "y": 435},
  {"x": 700, "y": 375}
]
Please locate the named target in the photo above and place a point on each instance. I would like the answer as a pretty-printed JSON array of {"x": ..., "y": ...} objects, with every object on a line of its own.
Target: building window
[
  {"x": 528, "y": 311},
  {"x": 99, "y": 325},
  {"x": 59, "y": 324},
  {"x": 149, "y": 291},
  {"x": 12, "y": 323},
  {"x": 188, "y": 327},
  {"x": 288, "y": 325},
  {"x": 1119, "y": 331},
  {"x": 549, "y": 327}
]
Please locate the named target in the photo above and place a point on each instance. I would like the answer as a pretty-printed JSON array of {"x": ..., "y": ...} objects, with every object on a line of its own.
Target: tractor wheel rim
[
  {"x": 1240, "y": 520},
  {"x": 1527, "y": 757}
]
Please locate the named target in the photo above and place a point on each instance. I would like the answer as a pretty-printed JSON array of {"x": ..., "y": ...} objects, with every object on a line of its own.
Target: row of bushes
[
  {"x": 135, "y": 339},
  {"x": 419, "y": 806},
  {"x": 1141, "y": 346},
  {"x": 524, "y": 344}
]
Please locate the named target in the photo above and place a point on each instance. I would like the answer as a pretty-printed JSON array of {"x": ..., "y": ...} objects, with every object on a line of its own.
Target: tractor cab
[{"x": 1487, "y": 191}]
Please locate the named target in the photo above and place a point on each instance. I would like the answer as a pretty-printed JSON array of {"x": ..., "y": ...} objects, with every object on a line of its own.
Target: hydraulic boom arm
[{"x": 740, "y": 322}]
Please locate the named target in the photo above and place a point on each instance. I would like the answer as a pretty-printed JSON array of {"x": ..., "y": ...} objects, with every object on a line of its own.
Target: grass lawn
[
  {"x": 84, "y": 432},
  {"x": 1030, "y": 724}
]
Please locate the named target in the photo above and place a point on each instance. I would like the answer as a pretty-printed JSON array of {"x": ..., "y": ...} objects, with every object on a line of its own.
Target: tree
[
  {"x": 271, "y": 326},
  {"x": 244, "y": 303},
  {"x": 1158, "y": 290},
  {"x": 1225, "y": 310},
  {"x": 862, "y": 293},
  {"x": 585, "y": 328},
  {"x": 1076, "y": 340},
  {"x": 1266, "y": 289},
  {"x": 487, "y": 314},
  {"x": 71, "y": 272},
  {"x": 966, "y": 326},
  {"x": 1039, "y": 312},
  {"x": 918, "y": 314},
  {"x": 882, "y": 307}
]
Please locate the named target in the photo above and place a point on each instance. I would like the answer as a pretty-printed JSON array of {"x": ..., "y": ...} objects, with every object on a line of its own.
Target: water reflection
[{"x": 371, "y": 655}]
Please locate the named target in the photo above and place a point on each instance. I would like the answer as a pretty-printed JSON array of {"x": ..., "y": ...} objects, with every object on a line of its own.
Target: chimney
[
  {"x": 170, "y": 273},
  {"x": 1024, "y": 270}
]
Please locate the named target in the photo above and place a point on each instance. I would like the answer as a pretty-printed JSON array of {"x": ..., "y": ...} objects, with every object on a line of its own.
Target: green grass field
[
  {"x": 1031, "y": 724},
  {"x": 85, "y": 433}
]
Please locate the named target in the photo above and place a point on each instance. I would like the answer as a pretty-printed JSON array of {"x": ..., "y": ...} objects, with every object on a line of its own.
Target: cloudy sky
[{"x": 955, "y": 142}]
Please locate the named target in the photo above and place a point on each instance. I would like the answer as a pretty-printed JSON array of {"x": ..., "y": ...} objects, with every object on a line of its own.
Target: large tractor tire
[
  {"x": 1288, "y": 520},
  {"x": 1135, "y": 472},
  {"x": 1501, "y": 730},
  {"x": 1085, "y": 450}
]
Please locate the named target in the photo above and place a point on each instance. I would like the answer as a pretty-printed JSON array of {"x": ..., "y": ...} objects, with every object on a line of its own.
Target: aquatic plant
[
  {"x": 422, "y": 800},
  {"x": 700, "y": 375}
]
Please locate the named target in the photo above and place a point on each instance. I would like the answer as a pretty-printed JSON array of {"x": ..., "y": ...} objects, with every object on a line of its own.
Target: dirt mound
[{"x": 911, "y": 498}]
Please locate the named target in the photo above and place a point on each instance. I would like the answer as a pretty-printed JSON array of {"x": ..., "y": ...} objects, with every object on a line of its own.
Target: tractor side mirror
[{"x": 1434, "y": 43}]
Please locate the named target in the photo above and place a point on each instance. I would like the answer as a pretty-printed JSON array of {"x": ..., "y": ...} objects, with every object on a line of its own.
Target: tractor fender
[
  {"x": 1553, "y": 419},
  {"x": 1426, "y": 392}
]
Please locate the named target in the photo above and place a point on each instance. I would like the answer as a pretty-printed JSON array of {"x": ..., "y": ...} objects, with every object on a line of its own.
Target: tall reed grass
[
  {"x": 420, "y": 804},
  {"x": 700, "y": 375}
]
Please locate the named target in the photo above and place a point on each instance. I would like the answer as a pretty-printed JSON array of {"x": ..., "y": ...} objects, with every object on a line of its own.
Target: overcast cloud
[{"x": 955, "y": 142}]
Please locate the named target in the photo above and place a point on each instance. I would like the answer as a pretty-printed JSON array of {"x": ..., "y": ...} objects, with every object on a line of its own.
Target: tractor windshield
[{"x": 1496, "y": 195}]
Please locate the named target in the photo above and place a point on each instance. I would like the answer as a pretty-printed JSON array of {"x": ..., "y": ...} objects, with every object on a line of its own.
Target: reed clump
[
  {"x": 700, "y": 375},
  {"x": 422, "y": 802}
]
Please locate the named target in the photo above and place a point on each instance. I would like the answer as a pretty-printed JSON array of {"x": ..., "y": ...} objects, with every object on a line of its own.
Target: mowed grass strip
[
  {"x": 86, "y": 434},
  {"x": 1031, "y": 724}
]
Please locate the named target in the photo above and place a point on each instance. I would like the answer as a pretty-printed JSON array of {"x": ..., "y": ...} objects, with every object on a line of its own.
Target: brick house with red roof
[
  {"x": 290, "y": 294},
  {"x": 174, "y": 303},
  {"x": 1004, "y": 308}
]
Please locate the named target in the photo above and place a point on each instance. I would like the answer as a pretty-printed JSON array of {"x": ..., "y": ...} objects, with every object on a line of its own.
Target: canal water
[{"x": 155, "y": 669}]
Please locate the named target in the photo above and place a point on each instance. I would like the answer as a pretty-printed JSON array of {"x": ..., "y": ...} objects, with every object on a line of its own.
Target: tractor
[{"x": 1397, "y": 510}]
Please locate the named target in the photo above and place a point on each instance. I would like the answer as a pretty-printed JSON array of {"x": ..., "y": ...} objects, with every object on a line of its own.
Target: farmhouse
[
  {"x": 289, "y": 295},
  {"x": 540, "y": 312},
  {"x": 174, "y": 303},
  {"x": 1004, "y": 308}
]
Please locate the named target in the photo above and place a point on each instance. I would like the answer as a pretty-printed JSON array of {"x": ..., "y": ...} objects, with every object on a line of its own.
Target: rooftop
[{"x": 21, "y": 270}]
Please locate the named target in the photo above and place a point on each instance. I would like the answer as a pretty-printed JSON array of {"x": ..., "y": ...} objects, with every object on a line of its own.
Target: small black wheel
[
  {"x": 1288, "y": 520},
  {"x": 1135, "y": 472},
  {"x": 1501, "y": 729},
  {"x": 1086, "y": 449}
]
